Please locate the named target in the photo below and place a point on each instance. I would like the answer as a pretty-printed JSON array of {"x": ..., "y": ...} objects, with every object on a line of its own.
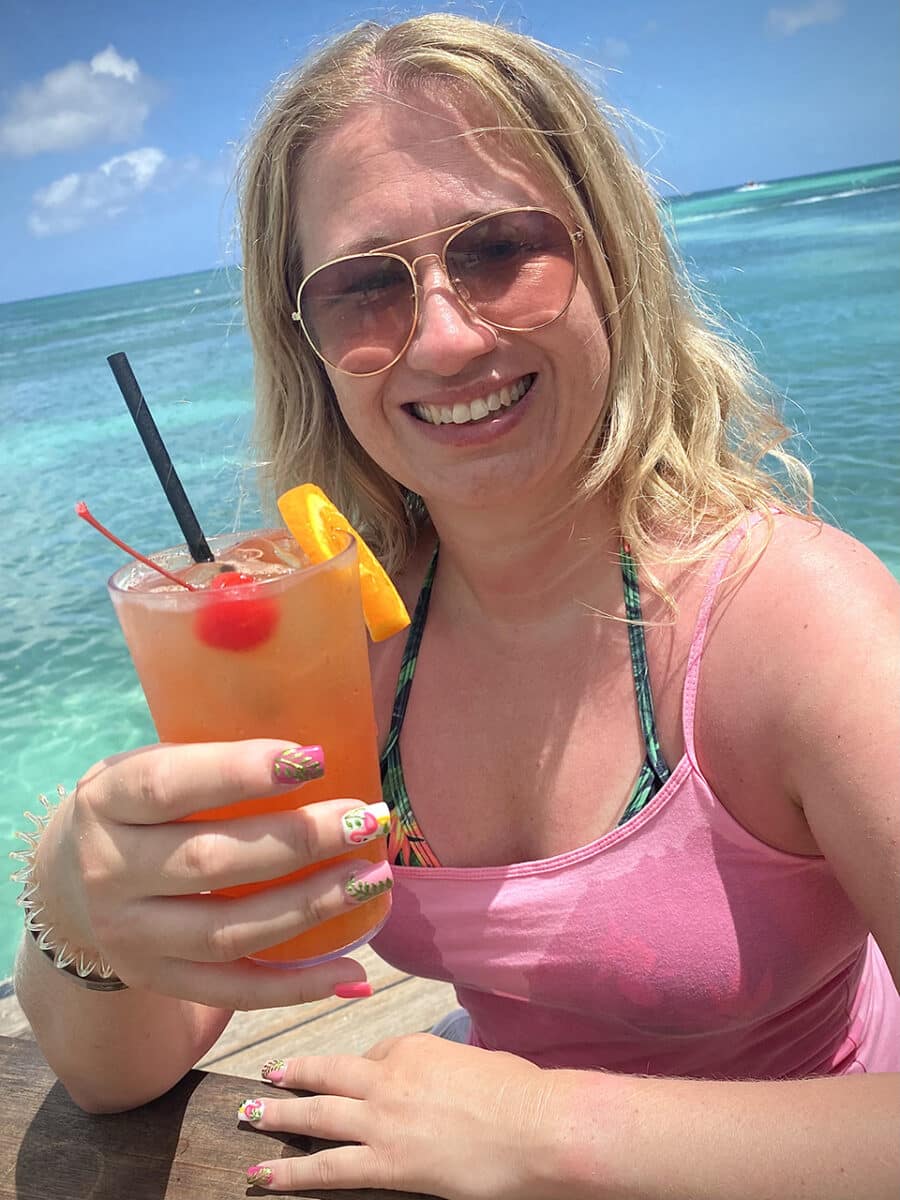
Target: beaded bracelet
[{"x": 73, "y": 962}]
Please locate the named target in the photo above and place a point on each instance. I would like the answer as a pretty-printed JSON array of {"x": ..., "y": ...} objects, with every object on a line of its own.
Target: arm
[
  {"x": 119, "y": 872},
  {"x": 111, "y": 1051}
]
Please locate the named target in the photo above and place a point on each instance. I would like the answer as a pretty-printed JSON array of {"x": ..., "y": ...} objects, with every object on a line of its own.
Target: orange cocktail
[{"x": 282, "y": 657}]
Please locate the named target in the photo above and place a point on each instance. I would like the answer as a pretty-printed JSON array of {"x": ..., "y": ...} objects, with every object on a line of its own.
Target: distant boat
[{"x": 751, "y": 186}]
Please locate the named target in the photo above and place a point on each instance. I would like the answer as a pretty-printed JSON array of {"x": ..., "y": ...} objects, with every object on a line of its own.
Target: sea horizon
[{"x": 671, "y": 197}]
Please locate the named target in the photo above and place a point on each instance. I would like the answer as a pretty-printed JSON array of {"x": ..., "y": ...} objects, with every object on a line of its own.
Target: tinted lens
[
  {"x": 359, "y": 312},
  {"x": 516, "y": 269}
]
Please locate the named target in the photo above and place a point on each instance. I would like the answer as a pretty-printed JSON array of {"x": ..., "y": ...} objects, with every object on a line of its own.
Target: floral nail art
[
  {"x": 252, "y": 1111},
  {"x": 373, "y": 880},
  {"x": 365, "y": 824},
  {"x": 299, "y": 764},
  {"x": 273, "y": 1070},
  {"x": 259, "y": 1174}
]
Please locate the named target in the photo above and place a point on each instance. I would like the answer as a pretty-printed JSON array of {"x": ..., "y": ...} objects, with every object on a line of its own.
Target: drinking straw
[{"x": 159, "y": 456}]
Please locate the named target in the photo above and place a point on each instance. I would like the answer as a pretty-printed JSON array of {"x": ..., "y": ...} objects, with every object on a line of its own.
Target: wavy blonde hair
[{"x": 688, "y": 422}]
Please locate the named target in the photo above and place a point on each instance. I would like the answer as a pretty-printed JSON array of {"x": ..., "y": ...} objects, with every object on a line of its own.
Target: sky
[{"x": 120, "y": 123}]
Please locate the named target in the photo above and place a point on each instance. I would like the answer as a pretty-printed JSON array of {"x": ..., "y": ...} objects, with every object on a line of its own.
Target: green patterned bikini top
[{"x": 409, "y": 847}]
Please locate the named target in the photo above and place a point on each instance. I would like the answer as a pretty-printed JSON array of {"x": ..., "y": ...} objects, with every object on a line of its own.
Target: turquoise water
[{"x": 807, "y": 269}]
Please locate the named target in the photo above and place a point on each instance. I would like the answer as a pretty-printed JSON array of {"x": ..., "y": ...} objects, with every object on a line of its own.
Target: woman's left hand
[{"x": 429, "y": 1116}]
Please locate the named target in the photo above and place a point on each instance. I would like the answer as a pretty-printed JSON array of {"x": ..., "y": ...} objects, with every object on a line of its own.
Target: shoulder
[
  {"x": 796, "y": 588},
  {"x": 799, "y": 689}
]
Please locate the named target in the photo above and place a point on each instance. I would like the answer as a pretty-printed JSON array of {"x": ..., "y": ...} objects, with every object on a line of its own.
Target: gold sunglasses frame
[{"x": 576, "y": 237}]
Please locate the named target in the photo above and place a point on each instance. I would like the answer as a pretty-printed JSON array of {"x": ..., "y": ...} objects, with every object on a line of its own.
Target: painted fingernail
[
  {"x": 364, "y": 824},
  {"x": 252, "y": 1111},
  {"x": 353, "y": 991},
  {"x": 368, "y": 881},
  {"x": 273, "y": 1071},
  {"x": 259, "y": 1174},
  {"x": 299, "y": 764}
]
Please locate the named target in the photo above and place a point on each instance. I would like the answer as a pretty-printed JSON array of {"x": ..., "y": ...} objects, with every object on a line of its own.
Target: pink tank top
[{"x": 677, "y": 944}]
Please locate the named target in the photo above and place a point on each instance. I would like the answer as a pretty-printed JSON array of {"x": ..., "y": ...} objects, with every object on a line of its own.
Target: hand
[
  {"x": 430, "y": 1116},
  {"x": 119, "y": 873}
]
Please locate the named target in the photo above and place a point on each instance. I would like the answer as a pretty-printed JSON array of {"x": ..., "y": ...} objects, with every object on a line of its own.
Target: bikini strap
[
  {"x": 691, "y": 679},
  {"x": 410, "y": 657},
  {"x": 640, "y": 667}
]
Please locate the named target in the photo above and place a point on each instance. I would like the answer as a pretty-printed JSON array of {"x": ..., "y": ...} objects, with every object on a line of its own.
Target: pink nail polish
[
  {"x": 273, "y": 1071},
  {"x": 259, "y": 1174},
  {"x": 368, "y": 881},
  {"x": 353, "y": 991},
  {"x": 299, "y": 764}
]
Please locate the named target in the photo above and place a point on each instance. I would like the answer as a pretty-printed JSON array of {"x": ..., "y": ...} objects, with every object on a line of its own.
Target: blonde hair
[{"x": 688, "y": 421}]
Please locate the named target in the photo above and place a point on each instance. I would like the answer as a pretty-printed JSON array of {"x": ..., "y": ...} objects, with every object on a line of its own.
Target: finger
[
  {"x": 332, "y": 1118},
  {"x": 203, "y": 856},
  {"x": 223, "y": 929},
  {"x": 166, "y": 782},
  {"x": 346, "y": 1075},
  {"x": 343, "y": 1167},
  {"x": 247, "y": 986}
]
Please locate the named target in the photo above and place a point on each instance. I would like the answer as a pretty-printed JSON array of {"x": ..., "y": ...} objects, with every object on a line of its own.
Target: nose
[{"x": 447, "y": 336}]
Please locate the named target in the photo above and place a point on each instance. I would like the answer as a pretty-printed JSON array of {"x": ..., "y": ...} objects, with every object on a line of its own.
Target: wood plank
[
  {"x": 406, "y": 1006},
  {"x": 186, "y": 1145},
  {"x": 247, "y": 1027}
]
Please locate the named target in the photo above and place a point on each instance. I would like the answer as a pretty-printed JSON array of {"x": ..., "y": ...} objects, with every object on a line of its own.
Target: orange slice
[{"x": 318, "y": 528}]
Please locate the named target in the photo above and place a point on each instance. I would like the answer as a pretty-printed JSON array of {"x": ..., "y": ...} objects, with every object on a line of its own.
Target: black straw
[{"x": 159, "y": 456}]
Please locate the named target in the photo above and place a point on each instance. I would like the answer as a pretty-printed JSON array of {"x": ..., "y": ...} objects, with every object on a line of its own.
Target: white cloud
[
  {"x": 785, "y": 22},
  {"x": 104, "y": 100},
  {"x": 87, "y": 197}
]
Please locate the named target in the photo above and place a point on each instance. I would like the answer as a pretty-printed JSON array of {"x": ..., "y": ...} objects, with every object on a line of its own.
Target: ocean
[{"x": 805, "y": 272}]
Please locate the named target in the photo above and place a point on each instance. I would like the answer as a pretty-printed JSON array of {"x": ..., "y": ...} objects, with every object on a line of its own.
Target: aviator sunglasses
[{"x": 516, "y": 269}]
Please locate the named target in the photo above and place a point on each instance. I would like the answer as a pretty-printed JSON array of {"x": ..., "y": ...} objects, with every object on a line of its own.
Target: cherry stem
[{"x": 85, "y": 513}]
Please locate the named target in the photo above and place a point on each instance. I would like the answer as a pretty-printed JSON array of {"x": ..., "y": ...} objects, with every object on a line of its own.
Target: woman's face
[{"x": 392, "y": 171}]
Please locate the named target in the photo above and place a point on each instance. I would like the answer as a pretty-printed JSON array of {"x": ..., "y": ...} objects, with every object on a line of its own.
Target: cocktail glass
[{"x": 282, "y": 657}]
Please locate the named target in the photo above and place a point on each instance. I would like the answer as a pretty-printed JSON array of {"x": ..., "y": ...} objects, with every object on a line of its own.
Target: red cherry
[{"x": 234, "y": 616}]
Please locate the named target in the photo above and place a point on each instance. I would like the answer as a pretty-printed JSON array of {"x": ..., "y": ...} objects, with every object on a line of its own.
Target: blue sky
[{"x": 119, "y": 122}]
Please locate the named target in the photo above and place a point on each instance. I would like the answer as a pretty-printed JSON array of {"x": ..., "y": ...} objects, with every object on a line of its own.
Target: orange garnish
[{"x": 319, "y": 529}]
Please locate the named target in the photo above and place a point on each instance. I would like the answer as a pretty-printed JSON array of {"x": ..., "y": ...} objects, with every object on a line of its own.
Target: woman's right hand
[{"x": 119, "y": 873}]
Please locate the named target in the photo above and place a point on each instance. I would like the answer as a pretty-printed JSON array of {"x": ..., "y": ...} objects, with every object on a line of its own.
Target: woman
[{"x": 677, "y": 889}]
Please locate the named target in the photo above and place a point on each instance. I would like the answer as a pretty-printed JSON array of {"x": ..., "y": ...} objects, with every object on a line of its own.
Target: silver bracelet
[{"x": 77, "y": 963}]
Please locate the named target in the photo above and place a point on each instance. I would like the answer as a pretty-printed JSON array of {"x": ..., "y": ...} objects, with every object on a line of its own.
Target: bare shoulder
[
  {"x": 804, "y": 586},
  {"x": 801, "y": 662}
]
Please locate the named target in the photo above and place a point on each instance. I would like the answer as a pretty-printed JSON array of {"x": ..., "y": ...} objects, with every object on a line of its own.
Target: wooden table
[{"x": 187, "y": 1145}]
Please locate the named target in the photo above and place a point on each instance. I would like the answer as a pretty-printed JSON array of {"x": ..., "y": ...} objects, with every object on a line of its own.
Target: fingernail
[
  {"x": 259, "y": 1174},
  {"x": 368, "y": 881},
  {"x": 364, "y": 824},
  {"x": 273, "y": 1071},
  {"x": 353, "y": 991},
  {"x": 299, "y": 764},
  {"x": 252, "y": 1111}
]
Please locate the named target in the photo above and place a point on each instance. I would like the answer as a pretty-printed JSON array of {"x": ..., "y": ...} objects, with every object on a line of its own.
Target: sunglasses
[{"x": 516, "y": 269}]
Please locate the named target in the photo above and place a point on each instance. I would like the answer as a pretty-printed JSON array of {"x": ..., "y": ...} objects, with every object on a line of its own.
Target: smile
[{"x": 475, "y": 410}]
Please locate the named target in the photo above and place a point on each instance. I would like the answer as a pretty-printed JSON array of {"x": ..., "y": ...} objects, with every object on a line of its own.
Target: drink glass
[{"x": 291, "y": 663}]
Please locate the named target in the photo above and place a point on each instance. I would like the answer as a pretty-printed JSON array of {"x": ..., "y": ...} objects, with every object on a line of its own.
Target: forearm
[
  {"x": 641, "y": 1139},
  {"x": 116, "y": 1050}
]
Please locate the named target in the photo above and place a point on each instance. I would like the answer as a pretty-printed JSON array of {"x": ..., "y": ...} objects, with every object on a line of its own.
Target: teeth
[{"x": 462, "y": 414}]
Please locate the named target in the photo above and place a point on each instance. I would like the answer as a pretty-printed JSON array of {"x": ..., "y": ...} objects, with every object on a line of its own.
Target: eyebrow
[{"x": 377, "y": 240}]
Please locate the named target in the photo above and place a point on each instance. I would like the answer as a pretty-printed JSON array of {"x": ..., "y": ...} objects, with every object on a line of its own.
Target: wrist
[
  {"x": 69, "y": 952},
  {"x": 573, "y": 1147}
]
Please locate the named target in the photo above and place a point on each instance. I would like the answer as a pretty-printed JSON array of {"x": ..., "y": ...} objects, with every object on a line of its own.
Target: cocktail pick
[
  {"x": 86, "y": 515},
  {"x": 159, "y": 456}
]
